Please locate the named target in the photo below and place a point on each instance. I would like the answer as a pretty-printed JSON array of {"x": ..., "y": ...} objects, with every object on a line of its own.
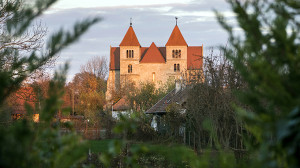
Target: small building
[
  {"x": 176, "y": 96},
  {"x": 120, "y": 107}
]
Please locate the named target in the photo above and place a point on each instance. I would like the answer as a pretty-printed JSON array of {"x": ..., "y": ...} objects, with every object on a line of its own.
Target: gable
[{"x": 153, "y": 55}]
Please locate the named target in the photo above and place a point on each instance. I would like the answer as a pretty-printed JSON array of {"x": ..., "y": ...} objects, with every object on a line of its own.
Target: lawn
[{"x": 97, "y": 146}]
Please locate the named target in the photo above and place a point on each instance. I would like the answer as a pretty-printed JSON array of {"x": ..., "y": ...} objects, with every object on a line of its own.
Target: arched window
[
  {"x": 153, "y": 76},
  {"x": 176, "y": 53},
  {"x": 129, "y": 54},
  {"x": 176, "y": 67},
  {"x": 129, "y": 68}
]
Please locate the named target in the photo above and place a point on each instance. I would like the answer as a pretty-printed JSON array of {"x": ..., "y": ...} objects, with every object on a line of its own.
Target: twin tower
[{"x": 132, "y": 63}]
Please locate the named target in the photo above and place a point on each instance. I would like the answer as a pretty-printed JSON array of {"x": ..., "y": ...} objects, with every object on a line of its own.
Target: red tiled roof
[
  {"x": 143, "y": 51},
  {"x": 121, "y": 105},
  {"x": 163, "y": 51},
  {"x": 153, "y": 55},
  {"x": 176, "y": 38},
  {"x": 194, "y": 57},
  {"x": 114, "y": 58},
  {"x": 130, "y": 38}
]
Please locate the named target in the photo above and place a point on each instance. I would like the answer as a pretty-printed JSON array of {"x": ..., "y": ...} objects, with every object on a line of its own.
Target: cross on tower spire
[
  {"x": 176, "y": 20},
  {"x": 130, "y": 22}
]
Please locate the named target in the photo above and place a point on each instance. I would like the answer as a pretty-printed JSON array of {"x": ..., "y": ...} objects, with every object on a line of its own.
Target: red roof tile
[
  {"x": 130, "y": 38},
  {"x": 153, "y": 55},
  {"x": 143, "y": 51},
  {"x": 163, "y": 51},
  {"x": 114, "y": 58},
  {"x": 121, "y": 105},
  {"x": 176, "y": 38},
  {"x": 194, "y": 57}
]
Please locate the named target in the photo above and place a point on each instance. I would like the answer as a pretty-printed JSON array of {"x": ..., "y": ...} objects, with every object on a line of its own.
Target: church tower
[
  {"x": 176, "y": 51},
  {"x": 129, "y": 56}
]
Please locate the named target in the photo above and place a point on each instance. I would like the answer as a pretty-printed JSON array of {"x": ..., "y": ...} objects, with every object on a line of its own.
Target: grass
[{"x": 97, "y": 146}]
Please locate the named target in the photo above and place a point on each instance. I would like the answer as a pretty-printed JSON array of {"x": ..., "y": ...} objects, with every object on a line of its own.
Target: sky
[{"x": 153, "y": 21}]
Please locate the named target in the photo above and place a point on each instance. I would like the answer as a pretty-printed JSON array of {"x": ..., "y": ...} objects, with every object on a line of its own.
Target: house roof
[
  {"x": 176, "y": 38},
  {"x": 171, "y": 97},
  {"x": 153, "y": 55},
  {"x": 130, "y": 38},
  {"x": 114, "y": 58},
  {"x": 121, "y": 105},
  {"x": 194, "y": 57}
]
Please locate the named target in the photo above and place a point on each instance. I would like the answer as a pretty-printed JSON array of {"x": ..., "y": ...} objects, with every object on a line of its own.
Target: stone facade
[{"x": 132, "y": 63}]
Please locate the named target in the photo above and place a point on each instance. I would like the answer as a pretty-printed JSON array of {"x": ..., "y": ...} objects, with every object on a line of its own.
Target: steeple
[
  {"x": 130, "y": 38},
  {"x": 176, "y": 38}
]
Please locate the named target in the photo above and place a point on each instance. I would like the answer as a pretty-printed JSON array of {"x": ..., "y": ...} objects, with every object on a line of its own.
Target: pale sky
[
  {"x": 67, "y": 4},
  {"x": 153, "y": 21}
]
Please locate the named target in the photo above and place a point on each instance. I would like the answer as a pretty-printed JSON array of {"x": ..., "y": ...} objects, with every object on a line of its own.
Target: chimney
[{"x": 177, "y": 86}]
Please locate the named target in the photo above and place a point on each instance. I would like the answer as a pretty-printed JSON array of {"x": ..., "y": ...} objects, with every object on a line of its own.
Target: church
[{"x": 130, "y": 62}]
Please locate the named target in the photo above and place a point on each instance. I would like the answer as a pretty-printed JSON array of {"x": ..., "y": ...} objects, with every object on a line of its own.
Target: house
[
  {"x": 132, "y": 63},
  {"x": 177, "y": 96},
  {"x": 120, "y": 107}
]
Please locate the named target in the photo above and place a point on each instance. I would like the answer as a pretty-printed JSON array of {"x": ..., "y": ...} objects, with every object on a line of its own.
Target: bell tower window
[
  {"x": 129, "y": 68},
  {"x": 176, "y": 67},
  {"x": 176, "y": 53},
  {"x": 129, "y": 53}
]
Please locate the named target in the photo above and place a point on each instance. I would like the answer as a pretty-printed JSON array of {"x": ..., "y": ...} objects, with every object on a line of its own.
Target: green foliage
[
  {"x": 268, "y": 59},
  {"x": 41, "y": 144},
  {"x": 173, "y": 120},
  {"x": 22, "y": 67},
  {"x": 97, "y": 146},
  {"x": 24, "y": 143},
  {"x": 147, "y": 95},
  {"x": 135, "y": 154}
]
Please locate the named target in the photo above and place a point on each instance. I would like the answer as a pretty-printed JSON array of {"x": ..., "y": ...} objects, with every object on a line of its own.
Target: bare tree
[
  {"x": 96, "y": 66},
  {"x": 211, "y": 100},
  {"x": 31, "y": 40}
]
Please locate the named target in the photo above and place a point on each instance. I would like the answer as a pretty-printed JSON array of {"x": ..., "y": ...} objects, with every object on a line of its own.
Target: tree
[
  {"x": 268, "y": 59},
  {"x": 146, "y": 95},
  {"x": 31, "y": 39},
  {"x": 16, "y": 26},
  {"x": 89, "y": 87},
  {"x": 33, "y": 146},
  {"x": 211, "y": 100},
  {"x": 96, "y": 66}
]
